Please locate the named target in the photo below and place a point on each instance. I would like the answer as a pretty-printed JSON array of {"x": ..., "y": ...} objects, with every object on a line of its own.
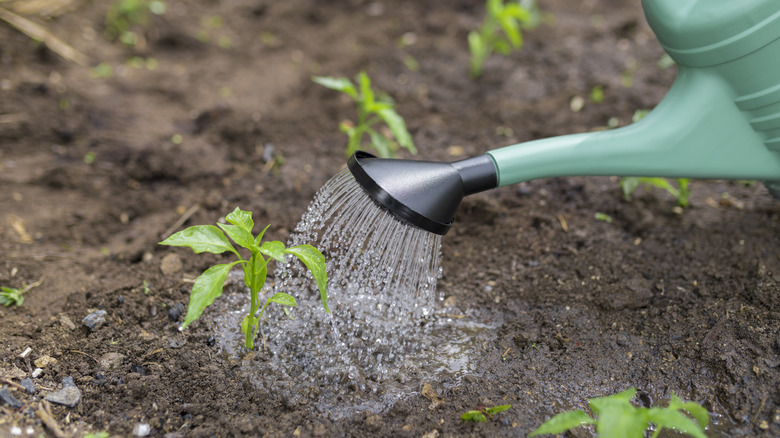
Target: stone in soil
[
  {"x": 69, "y": 395},
  {"x": 7, "y": 398},
  {"x": 175, "y": 311},
  {"x": 110, "y": 361},
  {"x": 95, "y": 320},
  {"x": 28, "y": 385}
]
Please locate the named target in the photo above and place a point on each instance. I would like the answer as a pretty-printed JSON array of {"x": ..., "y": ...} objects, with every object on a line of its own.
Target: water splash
[{"x": 382, "y": 338}]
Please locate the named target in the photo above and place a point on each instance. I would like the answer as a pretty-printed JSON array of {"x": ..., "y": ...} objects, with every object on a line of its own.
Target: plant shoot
[
  {"x": 616, "y": 417},
  {"x": 208, "y": 286},
  {"x": 501, "y": 31},
  {"x": 482, "y": 413},
  {"x": 372, "y": 109}
]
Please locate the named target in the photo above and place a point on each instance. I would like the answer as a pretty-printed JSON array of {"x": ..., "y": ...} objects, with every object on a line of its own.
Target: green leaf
[
  {"x": 496, "y": 409},
  {"x": 475, "y": 416},
  {"x": 398, "y": 128},
  {"x": 629, "y": 184},
  {"x": 379, "y": 106},
  {"x": 273, "y": 249},
  {"x": 315, "y": 261},
  {"x": 697, "y": 412},
  {"x": 366, "y": 94},
  {"x": 239, "y": 235},
  {"x": 563, "y": 422},
  {"x": 241, "y": 219},
  {"x": 381, "y": 144},
  {"x": 339, "y": 84},
  {"x": 283, "y": 299},
  {"x": 207, "y": 287},
  {"x": 201, "y": 238},
  {"x": 621, "y": 399},
  {"x": 255, "y": 272},
  {"x": 621, "y": 421},
  {"x": 259, "y": 237},
  {"x": 673, "y": 419},
  {"x": 248, "y": 323},
  {"x": 511, "y": 30}
]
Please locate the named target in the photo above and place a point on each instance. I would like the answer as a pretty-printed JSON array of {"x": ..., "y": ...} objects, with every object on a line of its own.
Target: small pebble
[
  {"x": 16, "y": 430},
  {"x": 67, "y": 323},
  {"x": 177, "y": 343},
  {"x": 69, "y": 395},
  {"x": 140, "y": 369},
  {"x": 8, "y": 399},
  {"x": 170, "y": 264},
  {"x": 211, "y": 341},
  {"x": 120, "y": 299},
  {"x": 142, "y": 429},
  {"x": 110, "y": 361},
  {"x": 36, "y": 373},
  {"x": 28, "y": 385},
  {"x": 175, "y": 311},
  {"x": 95, "y": 320},
  {"x": 44, "y": 361}
]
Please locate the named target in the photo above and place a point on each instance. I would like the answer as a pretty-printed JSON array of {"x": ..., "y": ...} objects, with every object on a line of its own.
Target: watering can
[{"x": 719, "y": 120}]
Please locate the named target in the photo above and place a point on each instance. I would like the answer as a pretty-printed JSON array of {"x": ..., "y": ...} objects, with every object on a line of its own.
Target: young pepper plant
[
  {"x": 209, "y": 285},
  {"x": 616, "y": 417},
  {"x": 371, "y": 110},
  {"x": 510, "y": 18}
]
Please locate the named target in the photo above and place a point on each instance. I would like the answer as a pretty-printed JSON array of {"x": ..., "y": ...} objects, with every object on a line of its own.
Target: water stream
[{"x": 384, "y": 337}]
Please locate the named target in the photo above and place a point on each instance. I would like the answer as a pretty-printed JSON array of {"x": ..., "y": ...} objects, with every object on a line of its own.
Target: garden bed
[{"x": 96, "y": 169}]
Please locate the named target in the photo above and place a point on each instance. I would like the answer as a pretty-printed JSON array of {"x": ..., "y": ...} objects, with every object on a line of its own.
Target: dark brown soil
[{"x": 665, "y": 301}]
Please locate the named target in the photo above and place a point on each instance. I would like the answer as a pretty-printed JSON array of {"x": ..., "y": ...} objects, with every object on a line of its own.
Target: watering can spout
[{"x": 719, "y": 120}]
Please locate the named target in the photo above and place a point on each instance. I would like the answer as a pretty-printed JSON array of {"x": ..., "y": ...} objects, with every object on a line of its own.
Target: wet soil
[{"x": 93, "y": 175}]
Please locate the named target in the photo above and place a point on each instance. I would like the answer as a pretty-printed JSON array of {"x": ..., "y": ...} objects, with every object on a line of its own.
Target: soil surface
[{"x": 95, "y": 170}]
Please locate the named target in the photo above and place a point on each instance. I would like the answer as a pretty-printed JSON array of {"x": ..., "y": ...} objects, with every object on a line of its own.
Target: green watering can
[{"x": 719, "y": 120}]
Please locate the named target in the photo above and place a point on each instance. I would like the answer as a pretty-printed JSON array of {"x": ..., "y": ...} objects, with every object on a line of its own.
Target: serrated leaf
[
  {"x": 496, "y": 409},
  {"x": 315, "y": 262},
  {"x": 239, "y": 235},
  {"x": 673, "y": 419},
  {"x": 339, "y": 84},
  {"x": 201, "y": 238},
  {"x": 563, "y": 422},
  {"x": 273, "y": 249},
  {"x": 241, "y": 219},
  {"x": 283, "y": 299},
  {"x": 207, "y": 287},
  {"x": 398, "y": 128},
  {"x": 475, "y": 416}
]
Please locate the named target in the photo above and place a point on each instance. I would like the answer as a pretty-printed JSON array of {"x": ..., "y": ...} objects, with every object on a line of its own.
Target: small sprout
[
  {"x": 101, "y": 70},
  {"x": 89, "y": 157},
  {"x": 597, "y": 94},
  {"x": 102, "y": 434},
  {"x": 371, "y": 110},
  {"x": 501, "y": 31},
  {"x": 176, "y": 139},
  {"x": 12, "y": 296},
  {"x": 208, "y": 286},
  {"x": 603, "y": 217},
  {"x": 126, "y": 14},
  {"x": 615, "y": 416},
  {"x": 665, "y": 62},
  {"x": 482, "y": 413}
]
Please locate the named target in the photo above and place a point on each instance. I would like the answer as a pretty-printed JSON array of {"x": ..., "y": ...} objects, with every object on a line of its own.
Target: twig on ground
[
  {"x": 40, "y": 33},
  {"x": 44, "y": 413},
  {"x": 187, "y": 214}
]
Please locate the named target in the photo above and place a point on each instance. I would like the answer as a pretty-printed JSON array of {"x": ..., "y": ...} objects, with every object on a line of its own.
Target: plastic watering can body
[{"x": 720, "y": 119}]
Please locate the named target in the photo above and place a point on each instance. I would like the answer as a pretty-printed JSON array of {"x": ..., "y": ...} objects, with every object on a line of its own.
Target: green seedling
[
  {"x": 681, "y": 193},
  {"x": 616, "y": 417},
  {"x": 13, "y": 296},
  {"x": 501, "y": 31},
  {"x": 371, "y": 110},
  {"x": 126, "y": 14},
  {"x": 208, "y": 286},
  {"x": 603, "y": 217},
  {"x": 482, "y": 413}
]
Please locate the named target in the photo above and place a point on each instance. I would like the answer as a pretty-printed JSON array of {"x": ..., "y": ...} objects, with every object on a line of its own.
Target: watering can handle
[{"x": 720, "y": 119}]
